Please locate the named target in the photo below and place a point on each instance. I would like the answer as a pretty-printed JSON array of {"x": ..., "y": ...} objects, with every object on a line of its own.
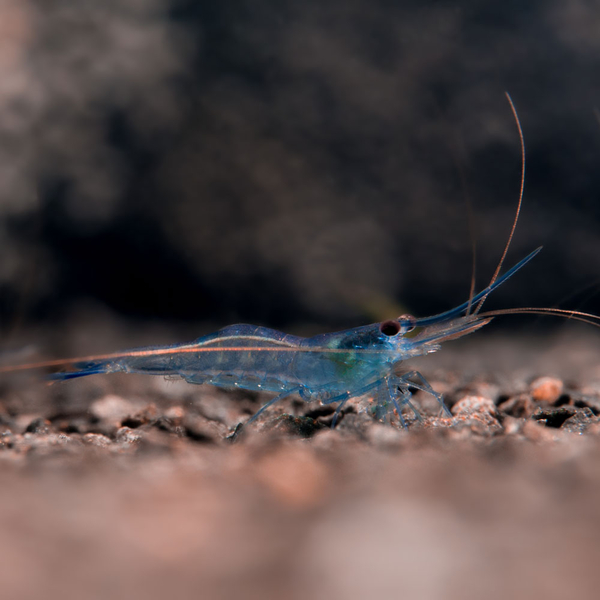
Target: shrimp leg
[
  {"x": 405, "y": 380},
  {"x": 271, "y": 402},
  {"x": 405, "y": 397},
  {"x": 343, "y": 398}
]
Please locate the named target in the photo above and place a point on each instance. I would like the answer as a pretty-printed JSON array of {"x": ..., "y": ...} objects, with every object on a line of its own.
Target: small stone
[
  {"x": 520, "y": 407},
  {"x": 580, "y": 421},
  {"x": 511, "y": 425},
  {"x": 39, "y": 425},
  {"x": 164, "y": 423},
  {"x": 112, "y": 408},
  {"x": 554, "y": 417},
  {"x": 143, "y": 417},
  {"x": 354, "y": 425},
  {"x": 175, "y": 414},
  {"x": 96, "y": 439},
  {"x": 547, "y": 389},
  {"x": 201, "y": 429},
  {"x": 303, "y": 427},
  {"x": 473, "y": 415},
  {"x": 125, "y": 435},
  {"x": 22, "y": 422},
  {"x": 473, "y": 404},
  {"x": 44, "y": 444},
  {"x": 481, "y": 423},
  {"x": 7, "y": 439}
]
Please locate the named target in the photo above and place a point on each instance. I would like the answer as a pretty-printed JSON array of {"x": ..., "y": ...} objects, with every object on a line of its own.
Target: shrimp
[{"x": 331, "y": 368}]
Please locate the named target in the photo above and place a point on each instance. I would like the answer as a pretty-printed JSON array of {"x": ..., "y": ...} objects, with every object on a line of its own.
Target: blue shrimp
[{"x": 331, "y": 368}]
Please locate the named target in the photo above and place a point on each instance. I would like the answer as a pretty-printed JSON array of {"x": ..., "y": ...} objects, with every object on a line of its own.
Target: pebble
[
  {"x": 580, "y": 421},
  {"x": 546, "y": 389},
  {"x": 39, "y": 425},
  {"x": 471, "y": 404},
  {"x": 554, "y": 417},
  {"x": 303, "y": 427},
  {"x": 147, "y": 415},
  {"x": 175, "y": 414},
  {"x": 112, "y": 408},
  {"x": 126, "y": 435},
  {"x": 201, "y": 429},
  {"x": 96, "y": 439},
  {"x": 520, "y": 407}
]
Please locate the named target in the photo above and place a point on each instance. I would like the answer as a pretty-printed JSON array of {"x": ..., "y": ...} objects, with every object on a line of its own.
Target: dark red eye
[{"x": 390, "y": 328}]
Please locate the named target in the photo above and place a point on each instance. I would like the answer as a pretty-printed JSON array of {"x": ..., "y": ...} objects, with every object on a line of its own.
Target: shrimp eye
[
  {"x": 390, "y": 328},
  {"x": 408, "y": 323}
]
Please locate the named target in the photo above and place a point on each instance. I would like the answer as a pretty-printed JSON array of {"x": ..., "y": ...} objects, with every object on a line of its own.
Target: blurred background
[
  {"x": 304, "y": 166},
  {"x": 168, "y": 167}
]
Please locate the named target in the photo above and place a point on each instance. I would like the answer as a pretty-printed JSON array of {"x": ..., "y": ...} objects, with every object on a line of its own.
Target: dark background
[{"x": 293, "y": 163}]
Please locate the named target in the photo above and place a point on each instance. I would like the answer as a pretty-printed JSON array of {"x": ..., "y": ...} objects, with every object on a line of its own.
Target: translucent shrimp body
[{"x": 331, "y": 368}]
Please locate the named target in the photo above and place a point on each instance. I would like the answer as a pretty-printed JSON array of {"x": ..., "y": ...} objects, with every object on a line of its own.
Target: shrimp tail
[{"x": 82, "y": 370}]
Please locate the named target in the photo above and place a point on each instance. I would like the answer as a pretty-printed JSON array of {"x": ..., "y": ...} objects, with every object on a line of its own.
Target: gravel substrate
[{"x": 133, "y": 487}]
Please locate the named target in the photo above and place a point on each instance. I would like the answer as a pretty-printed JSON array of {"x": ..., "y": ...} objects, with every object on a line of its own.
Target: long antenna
[
  {"x": 516, "y": 219},
  {"x": 470, "y": 220},
  {"x": 573, "y": 315}
]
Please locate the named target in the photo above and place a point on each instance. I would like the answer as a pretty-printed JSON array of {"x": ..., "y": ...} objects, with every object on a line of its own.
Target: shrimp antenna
[
  {"x": 516, "y": 219},
  {"x": 457, "y": 147},
  {"x": 574, "y": 315}
]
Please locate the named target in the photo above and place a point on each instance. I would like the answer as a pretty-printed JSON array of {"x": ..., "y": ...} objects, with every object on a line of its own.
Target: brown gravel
[
  {"x": 132, "y": 487},
  {"x": 547, "y": 389}
]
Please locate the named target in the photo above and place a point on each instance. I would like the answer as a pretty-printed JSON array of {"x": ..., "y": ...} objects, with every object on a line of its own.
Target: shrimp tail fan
[{"x": 81, "y": 370}]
